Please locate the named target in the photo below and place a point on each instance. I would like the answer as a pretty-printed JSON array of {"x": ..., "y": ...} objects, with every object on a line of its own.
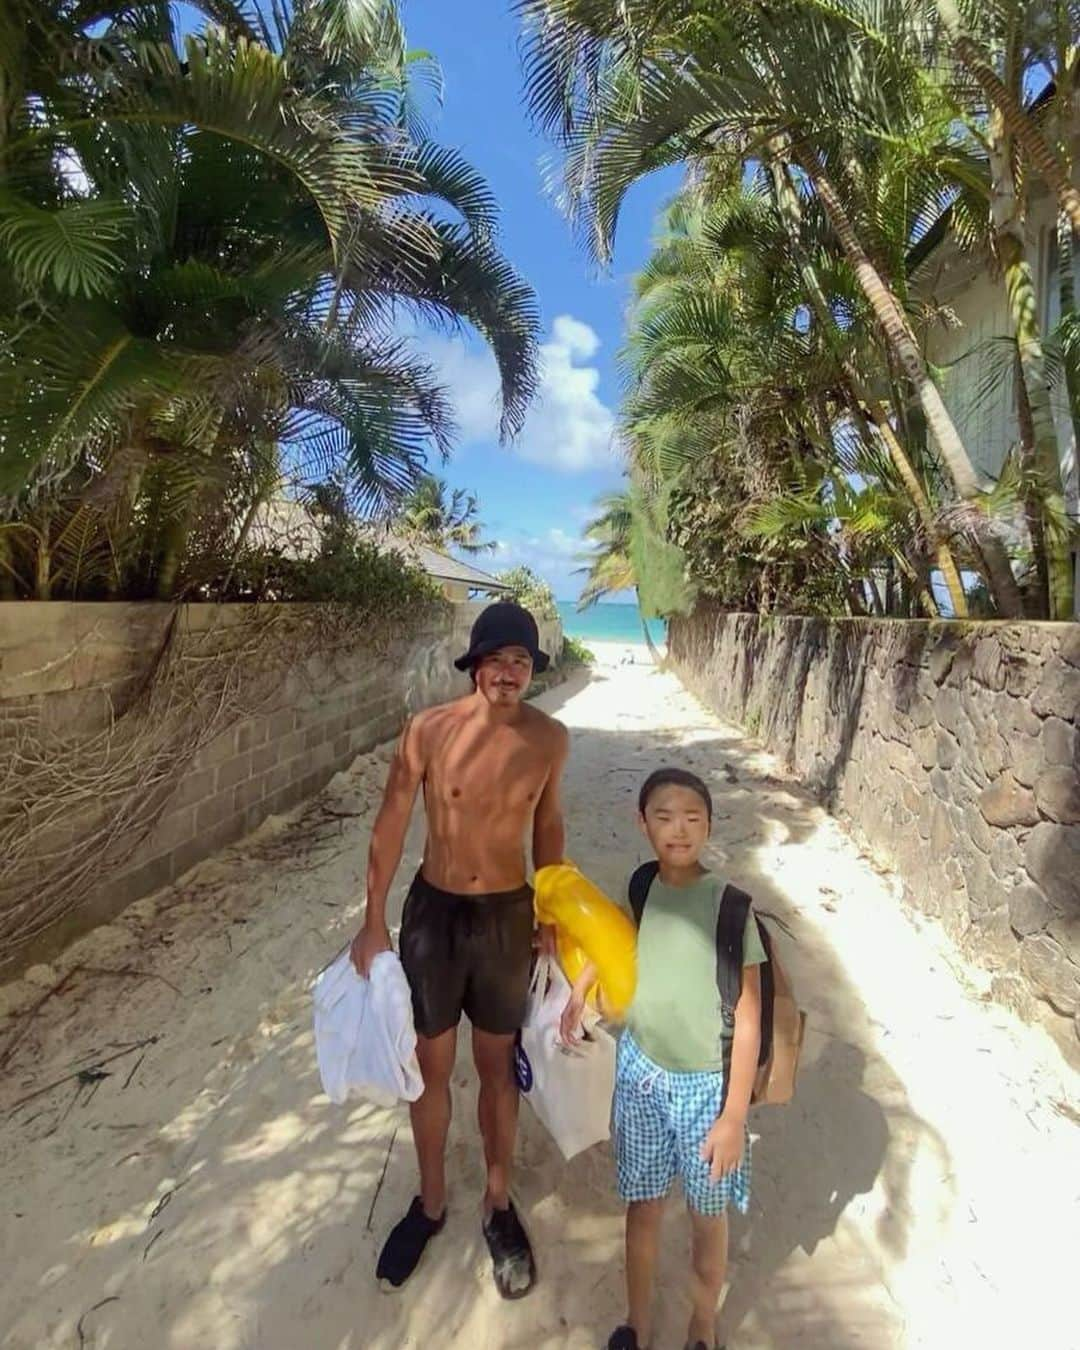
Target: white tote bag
[
  {"x": 365, "y": 1041},
  {"x": 569, "y": 1088}
]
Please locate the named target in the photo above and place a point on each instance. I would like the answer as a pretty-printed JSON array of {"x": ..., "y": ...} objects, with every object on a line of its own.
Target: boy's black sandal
[
  {"x": 405, "y": 1246},
  {"x": 511, "y": 1253},
  {"x": 623, "y": 1338}
]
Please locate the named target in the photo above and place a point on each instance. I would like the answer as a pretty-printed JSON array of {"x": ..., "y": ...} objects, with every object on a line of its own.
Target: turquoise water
[{"x": 608, "y": 623}]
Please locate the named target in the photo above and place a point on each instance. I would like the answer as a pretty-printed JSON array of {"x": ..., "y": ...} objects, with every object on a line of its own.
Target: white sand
[{"x": 920, "y": 1192}]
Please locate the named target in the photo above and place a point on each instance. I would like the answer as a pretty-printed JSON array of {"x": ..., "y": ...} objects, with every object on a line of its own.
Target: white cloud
[
  {"x": 569, "y": 427},
  {"x": 555, "y": 555},
  {"x": 560, "y": 543},
  {"x": 577, "y": 337},
  {"x": 472, "y": 380}
]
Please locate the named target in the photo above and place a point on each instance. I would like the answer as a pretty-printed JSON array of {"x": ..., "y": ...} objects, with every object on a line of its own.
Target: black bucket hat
[{"x": 503, "y": 625}]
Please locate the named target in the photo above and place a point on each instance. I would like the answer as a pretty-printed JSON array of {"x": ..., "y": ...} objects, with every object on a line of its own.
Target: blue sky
[{"x": 535, "y": 494}]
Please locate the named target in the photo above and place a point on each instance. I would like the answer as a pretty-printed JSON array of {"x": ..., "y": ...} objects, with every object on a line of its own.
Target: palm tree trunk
[
  {"x": 903, "y": 342},
  {"x": 906, "y": 471},
  {"x": 241, "y": 539},
  {"x": 1047, "y": 461},
  {"x": 975, "y": 59},
  {"x": 125, "y": 465},
  {"x": 1067, "y": 294},
  {"x": 43, "y": 563},
  {"x": 790, "y": 211},
  {"x": 1024, "y": 315},
  {"x": 654, "y": 651},
  {"x": 1040, "y": 607},
  {"x": 876, "y": 602},
  {"x": 916, "y": 586},
  {"x": 176, "y": 537},
  {"x": 8, "y": 575}
]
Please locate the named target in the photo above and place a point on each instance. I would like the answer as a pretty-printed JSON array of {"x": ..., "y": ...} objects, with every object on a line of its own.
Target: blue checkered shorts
[{"x": 661, "y": 1120}]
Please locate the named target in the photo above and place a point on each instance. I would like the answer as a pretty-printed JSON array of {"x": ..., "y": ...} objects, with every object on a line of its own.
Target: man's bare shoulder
[
  {"x": 544, "y": 727},
  {"x": 439, "y": 712},
  {"x": 431, "y": 721}
]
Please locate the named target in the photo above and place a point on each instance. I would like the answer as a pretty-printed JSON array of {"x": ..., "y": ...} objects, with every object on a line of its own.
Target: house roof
[
  {"x": 441, "y": 566},
  {"x": 444, "y": 568},
  {"x": 284, "y": 523}
]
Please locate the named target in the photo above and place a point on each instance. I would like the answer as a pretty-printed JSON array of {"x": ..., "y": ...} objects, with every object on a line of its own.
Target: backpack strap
[
  {"x": 640, "y": 884},
  {"x": 731, "y": 919}
]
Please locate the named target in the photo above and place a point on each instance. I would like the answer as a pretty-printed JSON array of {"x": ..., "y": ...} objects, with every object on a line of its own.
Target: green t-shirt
[{"x": 676, "y": 1016}]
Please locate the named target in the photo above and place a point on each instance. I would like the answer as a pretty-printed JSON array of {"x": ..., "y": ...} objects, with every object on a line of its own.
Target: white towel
[{"x": 365, "y": 1040}]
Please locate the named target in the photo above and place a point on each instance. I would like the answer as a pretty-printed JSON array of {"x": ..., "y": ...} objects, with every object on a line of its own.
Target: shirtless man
[{"x": 489, "y": 764}]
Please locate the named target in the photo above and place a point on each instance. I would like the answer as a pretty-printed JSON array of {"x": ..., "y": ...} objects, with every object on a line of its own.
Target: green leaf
[{"x": 74, "y": 250}]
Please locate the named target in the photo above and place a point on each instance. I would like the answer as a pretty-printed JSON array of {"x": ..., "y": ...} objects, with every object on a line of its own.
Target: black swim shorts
[{"x": 467, "y": 954}]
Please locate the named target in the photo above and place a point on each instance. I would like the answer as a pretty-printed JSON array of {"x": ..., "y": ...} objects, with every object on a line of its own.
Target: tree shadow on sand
[{"x": 280, "y": 1201}]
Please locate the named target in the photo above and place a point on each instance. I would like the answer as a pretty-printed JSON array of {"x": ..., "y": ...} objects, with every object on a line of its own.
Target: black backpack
[{"x": 730, "y": 929}]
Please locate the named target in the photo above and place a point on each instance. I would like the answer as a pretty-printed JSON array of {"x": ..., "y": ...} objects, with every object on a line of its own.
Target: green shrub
[
  {"x": 347, "y": 570},
  {"x": 575, "y": 653},
  {"x": 530, "y": 591}
]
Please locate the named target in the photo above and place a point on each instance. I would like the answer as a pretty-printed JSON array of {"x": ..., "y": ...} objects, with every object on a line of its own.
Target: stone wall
[
  {"x": 68, "y": 672},
  {"x": 954, "y": 752}
]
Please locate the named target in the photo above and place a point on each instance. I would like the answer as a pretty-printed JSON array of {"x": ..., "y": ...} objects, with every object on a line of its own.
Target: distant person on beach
[
  {"x": 490, "y": 766},
  {"x": 685, "y": 1067}
]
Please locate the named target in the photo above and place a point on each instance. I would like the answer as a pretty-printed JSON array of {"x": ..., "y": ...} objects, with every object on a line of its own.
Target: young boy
[{"x": 686, "y": 1065}]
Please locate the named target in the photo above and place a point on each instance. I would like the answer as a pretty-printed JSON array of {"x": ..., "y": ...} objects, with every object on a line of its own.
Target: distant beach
[{"x": 609, "y": 623}]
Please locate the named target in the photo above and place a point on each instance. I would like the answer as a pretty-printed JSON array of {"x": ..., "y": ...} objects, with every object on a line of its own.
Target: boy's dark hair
[{"x": 674, "y": 778}]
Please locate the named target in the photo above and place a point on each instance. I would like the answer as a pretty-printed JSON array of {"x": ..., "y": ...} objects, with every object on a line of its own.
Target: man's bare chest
[{"x": 494, "y": 773}]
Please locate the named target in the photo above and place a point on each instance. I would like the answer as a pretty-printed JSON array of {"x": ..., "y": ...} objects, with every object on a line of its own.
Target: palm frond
[{"x": 75, "y": 250}]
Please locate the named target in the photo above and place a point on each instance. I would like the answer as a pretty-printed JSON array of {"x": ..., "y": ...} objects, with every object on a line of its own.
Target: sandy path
[{"x": 921, "y": 1192}]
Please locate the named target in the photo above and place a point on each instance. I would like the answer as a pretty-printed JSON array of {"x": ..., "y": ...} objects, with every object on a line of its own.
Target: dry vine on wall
[{"x": 73, "y": 812}]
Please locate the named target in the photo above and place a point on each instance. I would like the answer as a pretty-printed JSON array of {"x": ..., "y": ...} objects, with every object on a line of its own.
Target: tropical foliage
[
  {"x": 575, "y": 653},
  {"x": 609, "y": 567},
  {"x": 527, "y": 589},
  {"x": 206, "y": 249},
  {"x": 786, "y": 428},
  {"x": 628, "y": 550},
  {"x": 433, "y": 514}
]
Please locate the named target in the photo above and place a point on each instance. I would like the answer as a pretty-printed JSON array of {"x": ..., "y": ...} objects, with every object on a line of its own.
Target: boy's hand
[
  {"x": 723, "y": 1147},
  {"x": 544, "y": 941},
  {"x": 570, "y": 1022}
]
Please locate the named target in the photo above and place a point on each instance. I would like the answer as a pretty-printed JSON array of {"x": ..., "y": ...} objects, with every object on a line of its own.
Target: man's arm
[
  {"x": 549, "y": 830},
  {"x": 387, "y": 841}
]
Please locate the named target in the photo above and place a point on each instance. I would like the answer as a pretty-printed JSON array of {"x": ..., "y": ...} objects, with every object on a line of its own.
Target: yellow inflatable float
[{"x": 589, "y": 927}]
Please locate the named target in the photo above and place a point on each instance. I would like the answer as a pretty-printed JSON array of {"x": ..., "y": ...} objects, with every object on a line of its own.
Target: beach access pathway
[{"x": 171, "y": 1176}]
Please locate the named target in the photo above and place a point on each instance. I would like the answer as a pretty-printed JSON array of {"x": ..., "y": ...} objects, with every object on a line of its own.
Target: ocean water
[{"x": 608, "y": 623}]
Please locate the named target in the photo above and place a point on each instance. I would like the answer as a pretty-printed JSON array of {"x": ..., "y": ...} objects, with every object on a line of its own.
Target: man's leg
[
  {"x": 512, "y": 1259},
  {"x": 431, "y": 1117},
  {"x": 407, "y": 1242},
  {"x": 644, "y": 1220},
  {"x": 710, "y": 1257},
  {"x": 494, "y": 1060}
]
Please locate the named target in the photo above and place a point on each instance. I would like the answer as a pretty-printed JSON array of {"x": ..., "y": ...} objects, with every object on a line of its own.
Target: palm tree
[
  {"x": 864, "y": 403},
  {"x": 609, "y": 569},
  {"x": 428, "y": 514},
  {"x": 203, "y": 261},
  {"x": 627, "y": 91},
  {"x": 731, "y": 381},
  {"x": 1029, "y": 24},
  {"x": 610, "y": 562}
]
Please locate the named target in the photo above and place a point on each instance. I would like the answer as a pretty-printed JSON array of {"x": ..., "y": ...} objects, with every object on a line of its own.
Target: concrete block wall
[
  {"x": 66, "y": 669},
  {"x": 953, "y": 750}
]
